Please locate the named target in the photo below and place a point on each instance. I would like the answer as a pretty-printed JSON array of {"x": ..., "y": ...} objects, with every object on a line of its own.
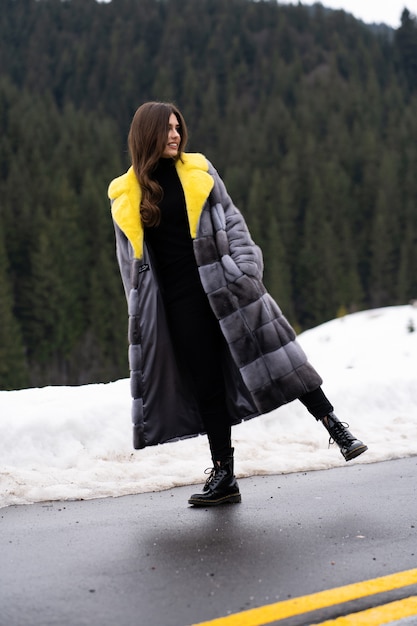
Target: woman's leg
[
  {"x": 199, "y": 345},
  {"x": 317, "y": 404}
]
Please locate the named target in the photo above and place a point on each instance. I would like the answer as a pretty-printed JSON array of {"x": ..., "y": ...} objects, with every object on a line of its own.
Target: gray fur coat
[{"x": 264, "y": 366}]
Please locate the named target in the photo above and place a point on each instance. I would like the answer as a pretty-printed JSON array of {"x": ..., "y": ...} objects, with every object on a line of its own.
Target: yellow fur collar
[{"x": 125, "y": 194}]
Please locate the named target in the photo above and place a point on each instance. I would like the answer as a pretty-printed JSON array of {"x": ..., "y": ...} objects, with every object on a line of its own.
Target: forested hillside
[{"x": 309, "y": 116}]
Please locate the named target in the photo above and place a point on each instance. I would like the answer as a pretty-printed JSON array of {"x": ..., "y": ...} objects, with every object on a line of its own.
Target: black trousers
[
  {"x": 199, "y": 344},
  {"x": 317, "y": 403}
]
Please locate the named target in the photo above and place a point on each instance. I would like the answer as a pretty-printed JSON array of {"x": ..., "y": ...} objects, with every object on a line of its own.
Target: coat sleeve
[{"x": 244, "y": 253}]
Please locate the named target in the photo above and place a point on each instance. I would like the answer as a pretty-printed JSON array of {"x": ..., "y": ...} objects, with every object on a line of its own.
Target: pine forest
[{"x": 308, "y": 114}]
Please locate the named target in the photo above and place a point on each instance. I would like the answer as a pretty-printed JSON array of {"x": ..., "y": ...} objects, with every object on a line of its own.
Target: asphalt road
[{"x": 151, "y": 560}]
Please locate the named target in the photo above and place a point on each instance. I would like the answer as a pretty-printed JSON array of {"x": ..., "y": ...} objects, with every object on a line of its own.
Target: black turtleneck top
[{"x": 170, "y": 241}]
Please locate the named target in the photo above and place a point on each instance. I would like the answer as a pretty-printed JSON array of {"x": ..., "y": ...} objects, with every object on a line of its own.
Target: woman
[{"x": 208, "y": 346}]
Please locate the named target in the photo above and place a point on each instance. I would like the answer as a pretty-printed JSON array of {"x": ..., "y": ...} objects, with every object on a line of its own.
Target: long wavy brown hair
[{"x": 147, "y": 141}]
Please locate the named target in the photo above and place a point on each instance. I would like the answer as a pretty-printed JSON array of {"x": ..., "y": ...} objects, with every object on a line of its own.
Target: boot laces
[
  {"x": 341, "y": 435},
  {"x": 211, "y": 471},
  {"x": 216, "y": 474}
]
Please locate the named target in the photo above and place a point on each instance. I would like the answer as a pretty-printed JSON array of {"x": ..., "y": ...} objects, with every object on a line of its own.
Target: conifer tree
[
  {"x": 385, "y": 237},
  {"x": 13, "y": 372},
  {"x": 406, "y": 43}
]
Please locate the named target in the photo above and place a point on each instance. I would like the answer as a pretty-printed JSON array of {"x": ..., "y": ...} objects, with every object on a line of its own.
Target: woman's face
[{"x": 173, "y": 137}]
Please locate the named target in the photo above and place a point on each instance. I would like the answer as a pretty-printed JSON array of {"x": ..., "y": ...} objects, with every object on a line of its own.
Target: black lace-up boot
[
  {"x": 349, "y": 446},
  {"x": 220, "y": 487}
]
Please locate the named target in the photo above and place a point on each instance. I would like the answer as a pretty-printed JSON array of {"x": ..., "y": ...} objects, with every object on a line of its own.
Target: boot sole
[
  {"x": 355, "y": 453},
  {"x": 234, "y": 499}
]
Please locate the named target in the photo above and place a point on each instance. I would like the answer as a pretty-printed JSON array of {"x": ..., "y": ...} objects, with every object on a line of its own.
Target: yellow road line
[
  {"x": 384, "y": 614},
  {"x": 304, "y": 604}
]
